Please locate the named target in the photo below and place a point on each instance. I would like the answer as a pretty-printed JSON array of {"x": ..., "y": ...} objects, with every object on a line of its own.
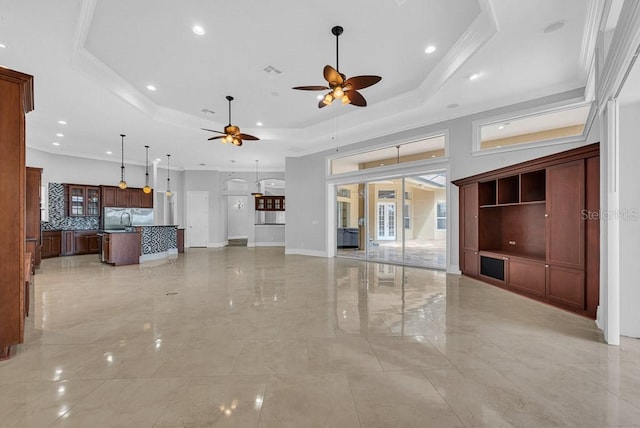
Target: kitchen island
[{"x": 139, "y": 244}]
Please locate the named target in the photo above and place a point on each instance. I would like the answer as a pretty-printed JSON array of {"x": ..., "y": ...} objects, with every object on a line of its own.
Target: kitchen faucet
[{"x": 129, "y": 217}]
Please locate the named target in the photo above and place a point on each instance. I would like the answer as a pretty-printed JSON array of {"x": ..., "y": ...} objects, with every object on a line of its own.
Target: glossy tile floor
[{"x": 241, "y": 337}]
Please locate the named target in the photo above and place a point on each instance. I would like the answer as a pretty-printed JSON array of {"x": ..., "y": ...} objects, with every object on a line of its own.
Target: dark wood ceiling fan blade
[
  {"x": 212, "y": 130},
  {"x": 311, "y": 88},
  {"x": 332, "y": 76},
  {"x": 321, "y": 104},
  {"x": 247, "y": 137},
  {"x": 216, "y": 137},
  {"x": 361, "y": 82},
  {"x": 356, "y": 98}
]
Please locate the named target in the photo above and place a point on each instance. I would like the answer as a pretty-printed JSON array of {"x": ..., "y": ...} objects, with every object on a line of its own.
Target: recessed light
[
  {"x": 198, "y": 30},
  {"x": 158, "y": 160},
  {"x": 151, "y": 87},
  {"x": 59, "y": 134},
  {"x": 2, "y": 46},
  {"x": 474, "y": 76},
  {"x": 433, "y": 156},
  {"x": 109, "y": 152},
  {"x": 55, "y": 143},
  {"x": 62, "y": 122},
  {"x": 430, "y": 49},
  {"x": 501, "y": 127},
  {"x": 258, "y": 123},
  {"x": 554, "y": 27},
  {"x": 203, "y": 164}
]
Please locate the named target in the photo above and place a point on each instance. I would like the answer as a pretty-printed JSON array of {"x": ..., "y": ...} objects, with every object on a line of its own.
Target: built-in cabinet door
[
  {"x": 122, "y": 198},
  {"x": 566, "y": 286},
  {"x": 147, "y": 200},
  {"x": 527, "y": 276},
  {"x": 565, "y": 216},
  {"x": 469, "y": 217},
  {"x": 68, "y": 243},
  {"x": 108, "y": 196},
  {"x": 135, "y": 198},
  {"x": 470, "y": 263}
]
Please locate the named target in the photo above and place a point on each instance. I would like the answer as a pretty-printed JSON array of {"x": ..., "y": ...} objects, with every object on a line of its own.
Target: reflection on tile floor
[
  {"x": 431, "y": 254},
  {"x": 254, "y": 338}
]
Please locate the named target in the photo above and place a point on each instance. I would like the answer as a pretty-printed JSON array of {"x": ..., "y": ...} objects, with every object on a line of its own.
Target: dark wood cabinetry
[
  {"x": 68, "y": 243},
  {"x": 523, "y": 228},
  {"x": 32, "y": 212},
  {"x": 121, "y": 248},
  {"x": 269, "y": 203},
  {"x": 82, "y": 200},
  {"x": 51, "y": 244},
  {"x": 86, "y": 242},
  {"x": 131, "y": 197},
  {"x": 16, "y": 100}
]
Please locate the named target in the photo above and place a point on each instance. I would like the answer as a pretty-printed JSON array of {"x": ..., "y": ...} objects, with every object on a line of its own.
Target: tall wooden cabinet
[
  {"x": 16, "y": 100},
  {"x": 528, "y": 228}
]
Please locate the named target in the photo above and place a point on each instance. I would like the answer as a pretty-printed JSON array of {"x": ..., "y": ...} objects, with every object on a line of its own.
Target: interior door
[
  {"x": 386, "y": 221},
  {"x": 197, "y": 233}
]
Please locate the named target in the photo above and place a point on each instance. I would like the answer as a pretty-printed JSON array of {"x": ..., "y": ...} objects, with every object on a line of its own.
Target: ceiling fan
[
  {"x": 339, "y": 86},
  {"x": 231, "y": 132}
]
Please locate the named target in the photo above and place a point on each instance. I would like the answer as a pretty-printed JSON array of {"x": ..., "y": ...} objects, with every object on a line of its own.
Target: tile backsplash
[{"x": 57, "y": 218}]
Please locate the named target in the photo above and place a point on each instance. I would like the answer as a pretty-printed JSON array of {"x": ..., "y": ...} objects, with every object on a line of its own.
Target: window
[
  {"x": 441, "y": 215},
  {"x": 424, "y": 149},
  {"x": 550, "y": 126},
  {"x": 407, "y": 215},
  {"x": 343, "y": 193},
  {"x": 386, "y": 194}
]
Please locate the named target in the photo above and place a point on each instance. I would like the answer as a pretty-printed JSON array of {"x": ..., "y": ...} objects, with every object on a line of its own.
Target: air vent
[
  {"x": 207, "y": 111},
  {"x": 271, "y": 70}
]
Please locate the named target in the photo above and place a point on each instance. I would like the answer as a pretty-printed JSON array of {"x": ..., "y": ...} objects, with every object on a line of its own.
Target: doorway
[
  {"x": 197, "y": 219},
  {"x": 399, "y": 221}
]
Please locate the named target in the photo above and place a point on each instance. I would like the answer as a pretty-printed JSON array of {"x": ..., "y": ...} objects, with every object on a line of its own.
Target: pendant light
[
  {"x": 122, "y": 184},
  {"x": 168, "y": 192},
  {"x": 146, "y": 188},
  {"x": 257, "y": 193}
]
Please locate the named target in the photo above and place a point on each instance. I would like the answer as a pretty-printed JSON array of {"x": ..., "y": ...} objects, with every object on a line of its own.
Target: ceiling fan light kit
[{"x": 341, "y": 88}]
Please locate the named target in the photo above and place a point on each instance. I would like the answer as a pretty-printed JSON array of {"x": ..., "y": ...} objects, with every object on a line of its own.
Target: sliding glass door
[{"x": 399, "y": 221}]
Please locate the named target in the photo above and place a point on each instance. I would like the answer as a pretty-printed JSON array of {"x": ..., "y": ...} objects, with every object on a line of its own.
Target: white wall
[
  {"x": 306, "y": 230},
  {"x": 214, "y": 183},
  {"x": 629, "y": 216}
]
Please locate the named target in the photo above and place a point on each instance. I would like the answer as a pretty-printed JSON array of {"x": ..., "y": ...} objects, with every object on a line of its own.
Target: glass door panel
[
  {"x": 350, "y": 220},
  {"x": 425, "y": 220},
  {"x": 384, "y": 232}
]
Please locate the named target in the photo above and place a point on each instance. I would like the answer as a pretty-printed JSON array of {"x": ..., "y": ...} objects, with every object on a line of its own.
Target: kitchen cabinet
[
  {"x": 269, "y": 203},
  {"x": 82, "y": 200},
  {"x": 86, "y": 242},
  {"x": 68, "y": 243},
  {"x": 32, "y": 208},
  {"x": 51, "y": 244},
  {"x": 121, "y": 248},
  {"x": 131, "y": 197}
]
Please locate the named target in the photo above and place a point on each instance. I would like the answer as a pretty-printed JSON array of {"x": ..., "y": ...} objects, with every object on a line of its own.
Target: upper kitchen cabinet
[
  {"x": 131, "y": 197},
  {"x": 82, "y": 200}
]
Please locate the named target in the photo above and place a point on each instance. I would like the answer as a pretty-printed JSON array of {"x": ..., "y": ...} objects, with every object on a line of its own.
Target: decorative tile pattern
[
  {"x": 57, "y": 218},
  {"x": 158, "y": 239}
]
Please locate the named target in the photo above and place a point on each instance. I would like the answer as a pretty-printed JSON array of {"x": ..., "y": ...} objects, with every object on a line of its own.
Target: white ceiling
[{"x": 93, "y": 59}]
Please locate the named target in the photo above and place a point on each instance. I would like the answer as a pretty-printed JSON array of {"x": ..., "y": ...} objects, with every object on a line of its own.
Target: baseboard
[
  {"x": 217, "y": 244},
  {"x": 454, "y": 269},
  {"x": 238, "y": 237},
  {"x": 267, "y": 244},
  {"x": 303, "y": 252}
]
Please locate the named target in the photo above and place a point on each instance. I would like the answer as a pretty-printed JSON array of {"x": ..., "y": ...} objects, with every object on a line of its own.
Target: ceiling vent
[
  {"x": 207, "y": 111},
  {"x": 271, "y": 71}
]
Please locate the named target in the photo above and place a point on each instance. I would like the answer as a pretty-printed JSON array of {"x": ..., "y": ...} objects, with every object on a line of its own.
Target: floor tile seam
[{"x": 77, "y": 403}]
